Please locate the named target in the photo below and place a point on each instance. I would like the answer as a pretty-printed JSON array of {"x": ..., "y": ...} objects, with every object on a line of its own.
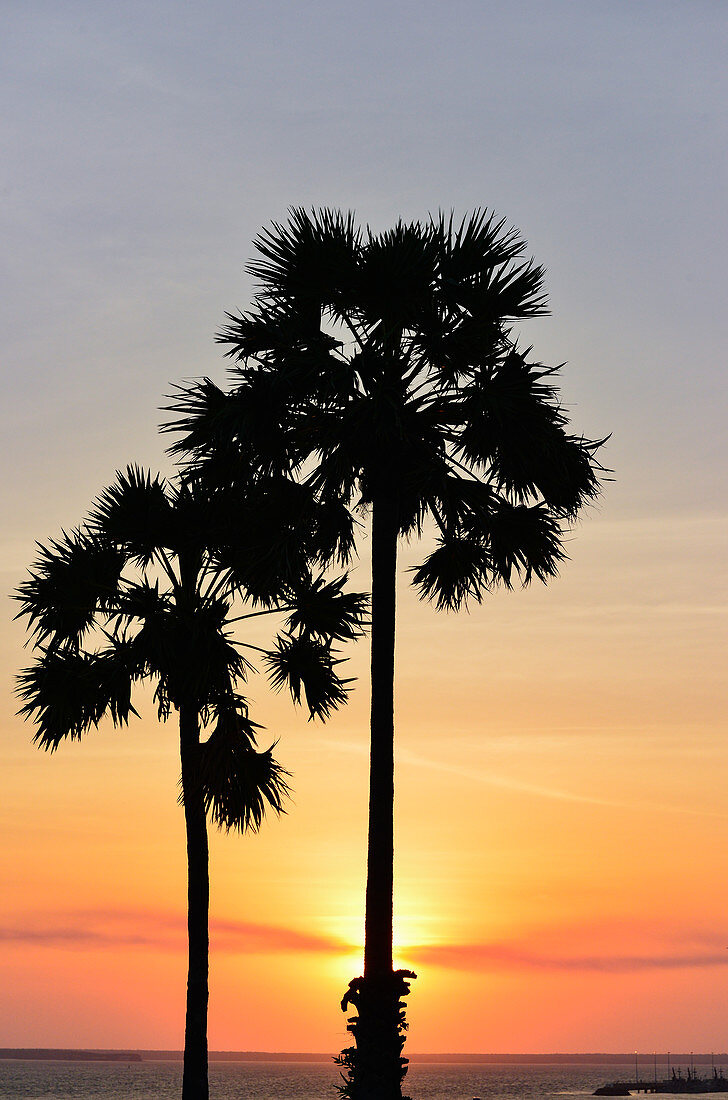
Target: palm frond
[
  {"x": 254, "y": 418},
  {"x": 265, "y": 547},
  {"x": 398, "y": 269},
  {"x": 324, "y": 611},
  {"x": 312, "y": 259},
  {"x": 306, "y": 666},
  {"x": 570, "y": 475},
  {"x": 72, "y": 580},
  {"x": 454, "y": 343},
  {"x": 457, "y": 571},
  {"x": 515, "y": 426},
  {"x": 135, "y": 514},
  {"x": 141, "y": 601},
  {"x": 464, "y": 503},
  {"x": 479, "y": 243},
  {"x": 67, "y": 692},
  {"x": 524, "y": 540},
  {"x": 340, "y": 452},
  {"x": 207, "y": 417},
  {"x": 422, "y": 472},
  {"x": 239, "y": 783},
  {"x": 511, "y": 419},
  {"x": 189, "y": 653},
  {"x": 277, "y": 333},
  {"x": 332, "y": 532},
  {"x": 510, "y": 293}
]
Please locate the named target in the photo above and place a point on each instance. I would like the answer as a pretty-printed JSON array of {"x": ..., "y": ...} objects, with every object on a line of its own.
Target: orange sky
[
  {"x": 562, "y": 827},
  {"x": 562, "y": 775}
]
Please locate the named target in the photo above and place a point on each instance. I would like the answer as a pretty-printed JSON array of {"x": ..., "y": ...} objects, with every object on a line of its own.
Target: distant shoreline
[{"x": 71, "y": 1055}]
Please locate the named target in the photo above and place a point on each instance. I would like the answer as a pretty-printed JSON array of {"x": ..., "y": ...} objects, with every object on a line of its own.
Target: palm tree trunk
[
  {"x": 380, "y": 854},
  {"x": 375, "y": 1065},
  {"x": 194, "y": 1080}
]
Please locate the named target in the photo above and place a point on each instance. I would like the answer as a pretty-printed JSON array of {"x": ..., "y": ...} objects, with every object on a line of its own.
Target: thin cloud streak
[
  {"x": 166, "y": 931},
  {"x": 247, "y": 938},
  {"x": 506, "y": 783},
  {"x": 505, "y": 957},
  {"x": 52, "y": 936}
]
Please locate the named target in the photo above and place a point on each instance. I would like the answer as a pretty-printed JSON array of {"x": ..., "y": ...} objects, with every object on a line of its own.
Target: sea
[{"x": 159, "y": 1080}]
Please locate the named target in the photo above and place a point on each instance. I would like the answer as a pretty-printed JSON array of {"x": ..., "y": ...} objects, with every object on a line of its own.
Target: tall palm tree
[
  {"x": 145, "y": 589},
  {"x": 383, "y": 371}
]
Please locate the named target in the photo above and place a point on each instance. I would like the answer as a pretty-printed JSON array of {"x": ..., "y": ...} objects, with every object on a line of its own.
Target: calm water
[{"x": 292, "y": 1081}]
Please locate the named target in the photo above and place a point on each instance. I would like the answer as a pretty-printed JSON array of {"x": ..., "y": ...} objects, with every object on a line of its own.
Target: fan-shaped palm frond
[
  {"x": 332, "y": 532},
  {"x": 209, "y": 430},
  {"x": 306, "y": 665},
  {"x": 323, "y": 610},
  {"x": 239, "y": 782},
  {"x": 138, "y": 601},
  {"x": 396, "y": 279},
  {"x": 68, "y": 692},
  {"x": 454, "y": 344},
  {"x": 189, "y": 653},
  {"x": 73, "y": 579},
  {"x": 464, "y": 503},
  {"x": 275, "y": 333},
  {"x": 458, "y": 570},
  {"x": 509, "y": 414},
  {"x": 265, "y": 549},
  {"x": 524, "y": 540},
  {"x": 570, "y": 475},
  {"x": 135, "y": 514},
  {"x": 511, "y": 293},
  {"x": 259, "y": 412},
  {"x": 310, "y": 259},
  {"x": 479, "y": 243}
]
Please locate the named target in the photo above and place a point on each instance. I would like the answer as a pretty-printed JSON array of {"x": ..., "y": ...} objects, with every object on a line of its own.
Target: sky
[{"x": 562, "y": 766}]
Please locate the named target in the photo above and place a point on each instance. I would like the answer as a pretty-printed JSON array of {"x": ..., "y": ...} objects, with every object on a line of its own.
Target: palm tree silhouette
[
  {"x": 382, "y": 370},
  {"x": 144, "y": 589}
]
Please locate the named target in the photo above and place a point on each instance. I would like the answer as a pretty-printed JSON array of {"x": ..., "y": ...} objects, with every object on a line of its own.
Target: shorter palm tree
[{"x": 145, "y": 589}]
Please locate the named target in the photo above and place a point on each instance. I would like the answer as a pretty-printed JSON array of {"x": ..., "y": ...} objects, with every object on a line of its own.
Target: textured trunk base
[{"x": 374, "y": 1068}]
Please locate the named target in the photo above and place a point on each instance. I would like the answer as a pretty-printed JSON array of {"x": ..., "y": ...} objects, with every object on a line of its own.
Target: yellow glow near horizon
[{"x": 536, "y": 825}]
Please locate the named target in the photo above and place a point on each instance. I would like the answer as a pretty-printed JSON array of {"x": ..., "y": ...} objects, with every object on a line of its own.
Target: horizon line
[{"x": 628, "y": 1056}]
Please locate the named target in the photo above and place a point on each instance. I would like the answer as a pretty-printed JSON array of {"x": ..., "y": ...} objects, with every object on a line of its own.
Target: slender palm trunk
[
  {"x": 194, "y": 1080},
  {"x": 375, "y": 1065},
  {"x": 380, "y": 854}
]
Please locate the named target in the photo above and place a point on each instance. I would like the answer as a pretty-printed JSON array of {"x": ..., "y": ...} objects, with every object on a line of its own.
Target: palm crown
[
  {"x": 391, "y": 359},
  {"x": 145, "y": 589}
]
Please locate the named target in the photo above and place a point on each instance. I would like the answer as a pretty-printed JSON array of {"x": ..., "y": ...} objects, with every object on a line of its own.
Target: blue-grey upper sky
[{"x": 145, "y": 145}]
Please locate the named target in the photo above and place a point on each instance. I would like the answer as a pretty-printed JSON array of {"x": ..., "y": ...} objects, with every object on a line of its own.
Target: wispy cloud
[
  {"x": 509, "y": 957},
  {"x": 489, "y": 778},
  {"x": 246, "y": 938},
  {"x": 53, "y": 935},
  {"x": 578, "y": 948},
  {"x": 164, "y": 931}
]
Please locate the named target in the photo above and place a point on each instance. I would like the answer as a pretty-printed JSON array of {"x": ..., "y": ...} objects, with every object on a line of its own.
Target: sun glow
[{"x": 411, "y": 931}]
